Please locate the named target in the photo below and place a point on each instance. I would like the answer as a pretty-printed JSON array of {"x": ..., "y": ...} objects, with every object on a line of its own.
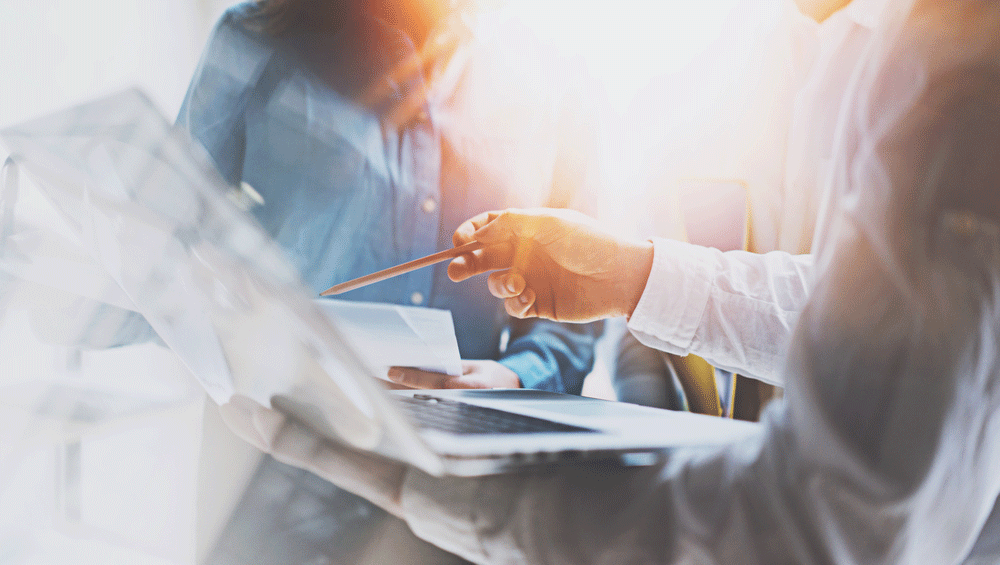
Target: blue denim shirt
[{"x": 310, "y": 122}]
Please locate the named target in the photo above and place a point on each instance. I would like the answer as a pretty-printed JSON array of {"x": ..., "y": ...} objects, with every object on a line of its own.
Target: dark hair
[
  {"x": 277, "y": 17},
  {"x": 280, "y": 17}
]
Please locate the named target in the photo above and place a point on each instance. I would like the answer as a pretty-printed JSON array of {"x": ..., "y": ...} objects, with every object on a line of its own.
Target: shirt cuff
[
  {"x": 530, "y": 369},
  {"x": 673, "y": 303}
]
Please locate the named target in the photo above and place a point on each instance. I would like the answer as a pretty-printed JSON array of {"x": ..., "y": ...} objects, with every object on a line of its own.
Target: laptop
[{"x": 179, "y": 246}]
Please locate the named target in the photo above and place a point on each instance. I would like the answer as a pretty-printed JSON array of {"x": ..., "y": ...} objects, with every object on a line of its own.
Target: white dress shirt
[
  {"x": 778, "y": 140},
  {"x": 887, "y": 449}
]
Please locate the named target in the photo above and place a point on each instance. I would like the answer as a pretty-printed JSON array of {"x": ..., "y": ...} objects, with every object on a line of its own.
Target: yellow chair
[{"x": 716, "y": 213}]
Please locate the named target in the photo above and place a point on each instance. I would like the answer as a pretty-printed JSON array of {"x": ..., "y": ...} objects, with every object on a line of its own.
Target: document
[{"x": 388, "y": 335}]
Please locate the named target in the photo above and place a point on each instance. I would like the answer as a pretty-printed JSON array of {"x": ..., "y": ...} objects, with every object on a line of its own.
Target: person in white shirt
[
  {"x": 887, "y": 446},
  {"x": 757, "y": 108}
]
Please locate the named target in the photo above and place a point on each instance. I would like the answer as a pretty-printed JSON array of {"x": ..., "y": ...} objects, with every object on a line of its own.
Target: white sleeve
[
  {"x": 734, "y": 309},
  {"x": 887, "y": 447}
]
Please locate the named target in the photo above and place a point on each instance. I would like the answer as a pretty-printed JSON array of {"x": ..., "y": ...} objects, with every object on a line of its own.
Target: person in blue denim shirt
[
  {"x": 349, "y": 120},
  {"x": 370, "y": 131}
]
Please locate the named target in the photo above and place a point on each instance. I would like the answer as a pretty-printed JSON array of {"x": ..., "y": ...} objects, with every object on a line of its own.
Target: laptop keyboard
[{"x": 456, "y": 417}]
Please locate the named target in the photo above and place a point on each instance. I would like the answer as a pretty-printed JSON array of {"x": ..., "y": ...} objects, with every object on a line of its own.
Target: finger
[
  {"x": 464, "y": 233},
  {"x": 464, "y": 383},
  {"x": 251, "y": 421},
  {"x": 468, "y": 379},
  {"x": 480, "y": 261},
  {"x": 391, "y": 385},
  {"x": 518, "y": 229},
  {"x": 522, "y": 305},
  {"x": 268, "y": 423},
  {"x": 505, "y": 284},
  {"x": 415, "y": 378},
  {"x": 516, "y": 223},
  {"x": 507, "y": 225}
]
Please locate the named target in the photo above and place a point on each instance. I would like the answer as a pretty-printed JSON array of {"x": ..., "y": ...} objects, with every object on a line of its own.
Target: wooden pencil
[{"x": 401, "y": 269}]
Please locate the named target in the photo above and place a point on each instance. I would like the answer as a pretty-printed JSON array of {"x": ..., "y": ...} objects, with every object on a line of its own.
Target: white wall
[
  {"x": 125, "y": 490},
  {"x": 54, "y": 53}
]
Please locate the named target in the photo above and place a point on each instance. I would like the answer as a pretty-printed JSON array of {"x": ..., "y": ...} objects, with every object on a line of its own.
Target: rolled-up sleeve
[
  {"x": 551, "y": 356},
  {"x": 734, "y": 309}
]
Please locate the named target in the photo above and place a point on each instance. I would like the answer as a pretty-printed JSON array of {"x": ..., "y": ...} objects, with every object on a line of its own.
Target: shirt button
[
  {"x": 429, "y": 206},
  {"x": 417, "y": 299}
]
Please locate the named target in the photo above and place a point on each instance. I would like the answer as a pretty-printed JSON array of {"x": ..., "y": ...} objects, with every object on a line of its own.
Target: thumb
[{"x": 252, "y": 422}]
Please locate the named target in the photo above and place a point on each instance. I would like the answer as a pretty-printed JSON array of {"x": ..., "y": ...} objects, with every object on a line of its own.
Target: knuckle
[{"x": 511, "y": 310}]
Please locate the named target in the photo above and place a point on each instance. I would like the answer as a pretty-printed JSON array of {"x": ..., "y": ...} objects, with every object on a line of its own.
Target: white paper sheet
[{"x": 390, "y": 335}]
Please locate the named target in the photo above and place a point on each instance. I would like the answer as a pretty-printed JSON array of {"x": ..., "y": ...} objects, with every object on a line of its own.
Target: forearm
[
  {"x": 576, "y": 515},
  {"x": 712, "y": 506}
]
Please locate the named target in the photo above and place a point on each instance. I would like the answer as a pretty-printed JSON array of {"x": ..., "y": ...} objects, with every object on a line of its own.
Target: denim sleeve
[
  {"x": 551, "y": 356},
  {"x": 213, "y": 108}
]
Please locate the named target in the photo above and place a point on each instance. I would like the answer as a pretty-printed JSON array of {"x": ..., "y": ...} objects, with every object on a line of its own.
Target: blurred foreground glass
[
  {"x": 157, "y": 233},
  {"x": 99, "y": 445},
  {"x": 117, "y": 238}
]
